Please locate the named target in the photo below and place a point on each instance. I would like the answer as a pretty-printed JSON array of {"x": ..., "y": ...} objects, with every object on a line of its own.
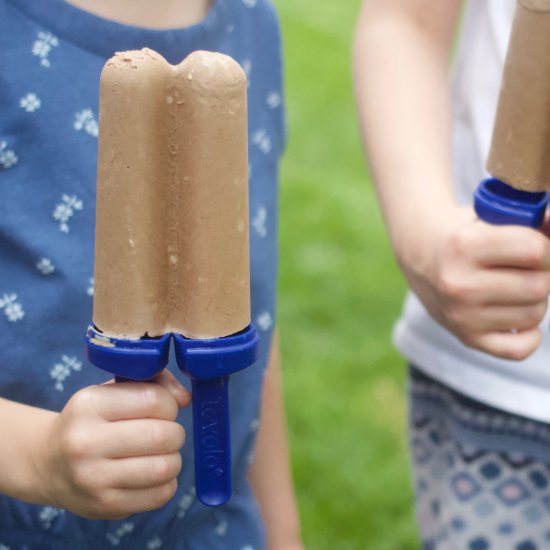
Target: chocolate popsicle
[
  {"x": 207, "y": 182},
  {"x": 518, "y": 157},
  {"x": 521, "y": 134},
  {"x": 172, "y": 249},
  {"x": 172, "y": 243}
]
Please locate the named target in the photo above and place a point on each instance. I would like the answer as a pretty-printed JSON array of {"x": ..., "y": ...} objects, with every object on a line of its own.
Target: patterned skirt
[{"x": 481, "y": 475}]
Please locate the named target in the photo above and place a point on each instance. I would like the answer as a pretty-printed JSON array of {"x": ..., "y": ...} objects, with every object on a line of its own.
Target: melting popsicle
[{"x": 172, "y": 244}]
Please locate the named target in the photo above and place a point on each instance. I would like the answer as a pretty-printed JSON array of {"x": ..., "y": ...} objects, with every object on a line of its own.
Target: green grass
[{"x": 340, "y": 292}]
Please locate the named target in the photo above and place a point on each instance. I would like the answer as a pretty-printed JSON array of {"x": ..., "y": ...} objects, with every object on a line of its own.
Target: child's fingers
[
  {"x": 510, "y": 345},
  {"x": 510, "y": 246},
  {"x": 140, "y": 438},
  {"x": 497, "y": 287},
  {"x": 119, "y": 503},
  {"x": 144, "y": 472},
  {"x": 128, "y": 400},
  {"x": 516, "y": 286},
  {"x": 506, "y": 318},
  {"x": 167, "y": 380}
]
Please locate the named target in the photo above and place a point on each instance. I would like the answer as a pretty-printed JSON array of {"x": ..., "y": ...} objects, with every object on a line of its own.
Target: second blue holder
[
  {"x": 498, "y": 203},
  {"x": 209, "y": 363}
]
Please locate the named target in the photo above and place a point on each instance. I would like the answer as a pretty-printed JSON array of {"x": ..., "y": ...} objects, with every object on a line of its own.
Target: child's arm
[
  {"x": 488, "y": 285},
  {"x": 270, "y": 472},
  {"x": 111, "y": 452}
]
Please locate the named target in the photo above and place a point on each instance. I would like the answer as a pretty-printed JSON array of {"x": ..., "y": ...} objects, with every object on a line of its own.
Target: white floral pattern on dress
[
  {"x": 185, "y": 502},
  {"x": 273, "y": 100},
  {"x": 90, "y": 289},
  {"x": 45, "y": 266},
  {"x": 247, "y": 547},
  {"x": 47, "y": 515},
  {"x": 8, "y": 158},
  {"x": 254, "y": 425},
  {"x": 124, "y": 529},
  {"x": 264, "y": 321},
  {"x": 259, "y": 221},
  {"x": 30, "y": 102},
  {"x": 64, "y": 211},
  {"x": 4, "y": 547},
  {"x": 154, "y": 544},
  {"x": 221, "y": 528},
  {"x": 12, "y": 308},
  {"x": 85, "y": 120},
  {"x": 42, "y": 47},
  {"x": 262, "y": 141},
  {"x": 250, "y": 3},
  {"x": 61, "y": 371}
]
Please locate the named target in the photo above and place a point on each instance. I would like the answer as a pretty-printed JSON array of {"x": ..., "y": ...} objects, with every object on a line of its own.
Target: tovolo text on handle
[{"x": 212, "y": 440}]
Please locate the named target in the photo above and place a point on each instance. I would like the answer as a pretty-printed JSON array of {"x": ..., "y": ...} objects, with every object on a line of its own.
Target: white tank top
[{"x": 519, "y": 387}]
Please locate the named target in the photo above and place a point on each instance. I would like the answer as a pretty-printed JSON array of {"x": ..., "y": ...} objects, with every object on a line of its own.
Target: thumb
[
  {"x": 545, "y": 227},
  {"x": 167, "y": 380}
]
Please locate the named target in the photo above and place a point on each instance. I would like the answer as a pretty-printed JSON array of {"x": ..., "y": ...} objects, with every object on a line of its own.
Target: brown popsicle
[
  {"x": 172, "y": 245},
  {"x": 521, "y": 135}
]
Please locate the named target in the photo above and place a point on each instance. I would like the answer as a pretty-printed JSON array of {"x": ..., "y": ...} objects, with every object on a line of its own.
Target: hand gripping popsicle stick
[
  {"x": 518, "y": 158},
  {"x": 172, "y": 245}
]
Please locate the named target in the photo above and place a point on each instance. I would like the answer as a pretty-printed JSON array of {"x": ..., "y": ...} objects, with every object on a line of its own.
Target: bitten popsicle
[
  {"x": 518, "y": 157},
  {"x": 172, "y": 246}
]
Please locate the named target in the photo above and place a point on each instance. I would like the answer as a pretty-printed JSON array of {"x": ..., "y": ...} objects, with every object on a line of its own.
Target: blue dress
[{"x": 51, "y": 55}]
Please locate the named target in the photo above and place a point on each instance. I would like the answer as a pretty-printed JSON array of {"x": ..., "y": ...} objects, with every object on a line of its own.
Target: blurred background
[{"x": 340, "y": 292}]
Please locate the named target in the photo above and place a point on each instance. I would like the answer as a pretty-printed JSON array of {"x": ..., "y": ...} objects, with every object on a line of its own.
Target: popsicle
[
  {"x": 518, "y": 157},
  {"x": 172, "y": 243}
]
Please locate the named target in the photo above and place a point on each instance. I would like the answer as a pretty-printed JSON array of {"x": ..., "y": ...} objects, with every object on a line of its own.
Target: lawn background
[{"x": 340, "y": 292}]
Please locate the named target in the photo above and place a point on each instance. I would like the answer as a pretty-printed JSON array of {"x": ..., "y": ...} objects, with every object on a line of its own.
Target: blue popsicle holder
[
  {"x": 208, "y": 363},
  {"x": 498, "y": 203}
]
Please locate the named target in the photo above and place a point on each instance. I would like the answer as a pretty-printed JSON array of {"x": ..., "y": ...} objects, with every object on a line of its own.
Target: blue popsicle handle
[
  {"x": 209, "y": 363},
  {"x": 140, "y": 359},
  {"x": 211, "y": 440},
  {"x": 498, "y": 203}
]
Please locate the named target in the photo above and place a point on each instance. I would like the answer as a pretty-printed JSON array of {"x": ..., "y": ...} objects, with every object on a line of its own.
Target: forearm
[
  {"x": 401, "y": 66},
  {"x": 477, "y": 280},
  {"x": 23, "y": 432},
  {"x": 270, "y": 474}
]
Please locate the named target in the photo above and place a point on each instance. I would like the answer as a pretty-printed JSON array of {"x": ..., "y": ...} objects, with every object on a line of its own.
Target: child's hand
[
  {"x": 113, "y": 450},
  {"x": 487, "y": 284}
]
